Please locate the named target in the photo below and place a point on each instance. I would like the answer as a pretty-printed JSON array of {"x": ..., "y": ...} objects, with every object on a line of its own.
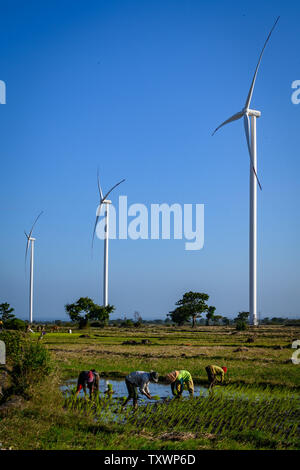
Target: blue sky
[{"x": 136, "y": 89}]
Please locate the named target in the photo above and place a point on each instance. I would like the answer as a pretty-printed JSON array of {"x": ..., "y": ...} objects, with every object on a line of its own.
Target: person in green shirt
[
  {"x": 179, "y": 379},
  {"x": 215, "y": 375}
]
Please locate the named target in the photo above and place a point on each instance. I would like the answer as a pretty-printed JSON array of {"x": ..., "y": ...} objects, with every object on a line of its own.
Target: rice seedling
[{"x": 225, "y": 412}]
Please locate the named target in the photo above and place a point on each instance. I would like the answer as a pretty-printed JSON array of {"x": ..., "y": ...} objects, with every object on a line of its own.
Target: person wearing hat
[
  {"x": 139, "y": 379},
  {"x": 215, "y": 375},
  {"x": 89, "y": 378},
  {"x": 179, "y": 379}
]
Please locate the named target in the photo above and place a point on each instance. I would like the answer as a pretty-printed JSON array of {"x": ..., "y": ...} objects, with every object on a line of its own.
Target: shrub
[
  {"x": 34, "y": 364},
  {"x": 127, "y": 324},
  {"x": 14, "y": 343},
  {"x": 241, "y": 325},
  {"x": 15, "y": 324},
  {"x": 97, "y": 324},
  {"x": 29, "y": 360}
]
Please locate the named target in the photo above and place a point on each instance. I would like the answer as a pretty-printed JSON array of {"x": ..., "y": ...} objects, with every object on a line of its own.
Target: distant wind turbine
[
  {"x": 30, "y": 242},
  {"x": 251, "y": 143},
  {"x": 107, "y": 202}
]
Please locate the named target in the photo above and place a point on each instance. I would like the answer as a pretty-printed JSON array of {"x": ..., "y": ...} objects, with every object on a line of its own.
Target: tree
[
  {"x": 6, "y": 312},
  {"x": 217, "y": 319},
  {"x": 210, "y": 314},
  {"x": 241, "y": 321},
  {"x": 242, "y": 316},
  {"x": 225, "y": 321},
  {"x": 127, "y": 323},
  {"x": 180, "y": 315},
  {"x": 85, "y": 309},
  {"x": 191, "y": 306},
  {"x": 15, "y": 324},
  {"x": 137, "y": 319}
]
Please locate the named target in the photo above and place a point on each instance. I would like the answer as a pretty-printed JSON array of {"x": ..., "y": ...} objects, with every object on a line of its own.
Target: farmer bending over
[
  {"x": 215, "y": 375},
  {"x": 139, "y": 379},
  {"x": 88, "y": 378},
  {"x": 178, "y": 380}
]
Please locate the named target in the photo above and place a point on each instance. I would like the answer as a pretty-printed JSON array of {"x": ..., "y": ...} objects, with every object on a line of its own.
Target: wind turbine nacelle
[
  {"x": 106, "y": 201},
  {"x": 253, "y": 112}
]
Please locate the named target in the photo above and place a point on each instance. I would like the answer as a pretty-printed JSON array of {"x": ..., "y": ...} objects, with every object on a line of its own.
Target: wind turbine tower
[
  {"x": 106, "y": 202},
  {"x": 30, "y": 243},
  {"x": 250, "y": 131}
]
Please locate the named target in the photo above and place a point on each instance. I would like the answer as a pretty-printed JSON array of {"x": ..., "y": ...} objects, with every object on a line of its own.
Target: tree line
[{"x": 190, "y": 309}]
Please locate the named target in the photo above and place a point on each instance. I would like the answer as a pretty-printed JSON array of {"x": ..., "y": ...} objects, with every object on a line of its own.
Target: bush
[
  {"x": 34, "y": 364},
  {"x": 127, "y": 324},
  {"x": 14, "y": 343},
  {"x": 97, "y": 324},
  {"x": 241, "y": 325},
  {"x": 29, "y": 360},
  {"x": 15, "y": 324}
]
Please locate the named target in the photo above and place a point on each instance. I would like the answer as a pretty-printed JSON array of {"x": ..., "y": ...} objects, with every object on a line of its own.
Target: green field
[
  {"x": 265, "y": 361},
  {"x": 257, "y": 408}
]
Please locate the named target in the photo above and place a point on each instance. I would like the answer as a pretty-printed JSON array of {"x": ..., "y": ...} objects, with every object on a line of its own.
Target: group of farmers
[{"x": 178, "y": 379}]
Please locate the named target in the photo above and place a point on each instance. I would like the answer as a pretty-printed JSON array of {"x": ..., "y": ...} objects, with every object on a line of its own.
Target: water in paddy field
[{"x": 163, "y": 391}]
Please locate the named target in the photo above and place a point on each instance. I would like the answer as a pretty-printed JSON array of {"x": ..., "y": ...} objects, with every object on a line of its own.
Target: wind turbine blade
[
  {"x": 235, "y": 117},
  {"x": 28, "y": 236},
  {"x": 35, "y": 223},
  {"x": 27, "y": 246},
  {"x": 248, "y": 100},
  {"x": 97, "y": 218},
  {"x": 247, "y": 132},
  {"x": 99, "y": 186},
  {"x": 112, "y": 189}
]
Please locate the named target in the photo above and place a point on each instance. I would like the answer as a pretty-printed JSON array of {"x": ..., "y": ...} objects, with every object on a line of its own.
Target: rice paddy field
[{"x": 257, "y": 407}]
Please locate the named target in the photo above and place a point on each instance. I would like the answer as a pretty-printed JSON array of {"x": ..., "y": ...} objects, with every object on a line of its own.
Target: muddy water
[{"x": 163, "y": 391}]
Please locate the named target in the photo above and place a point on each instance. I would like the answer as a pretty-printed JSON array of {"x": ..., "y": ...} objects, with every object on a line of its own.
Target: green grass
[
  {"x": 266, "y": 361},
  {"x": 231, "y": 418},
  {"x": 266, "y": 417}
]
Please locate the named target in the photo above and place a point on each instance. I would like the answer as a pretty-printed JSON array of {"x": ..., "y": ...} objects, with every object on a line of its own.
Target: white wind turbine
[
  {"x": 31, "y": 240},
  {"x": 107, "y": 202},
  {"x": 251, "y": 143}
]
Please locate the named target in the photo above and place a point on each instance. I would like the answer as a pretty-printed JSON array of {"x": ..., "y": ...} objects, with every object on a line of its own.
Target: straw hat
[{"x": 172, "y": 376}]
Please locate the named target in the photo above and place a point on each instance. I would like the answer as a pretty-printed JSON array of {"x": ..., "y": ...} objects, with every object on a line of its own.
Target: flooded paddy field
[
  {"x": 119, "y": 388},
  {"x": 264, "y": 414}
]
